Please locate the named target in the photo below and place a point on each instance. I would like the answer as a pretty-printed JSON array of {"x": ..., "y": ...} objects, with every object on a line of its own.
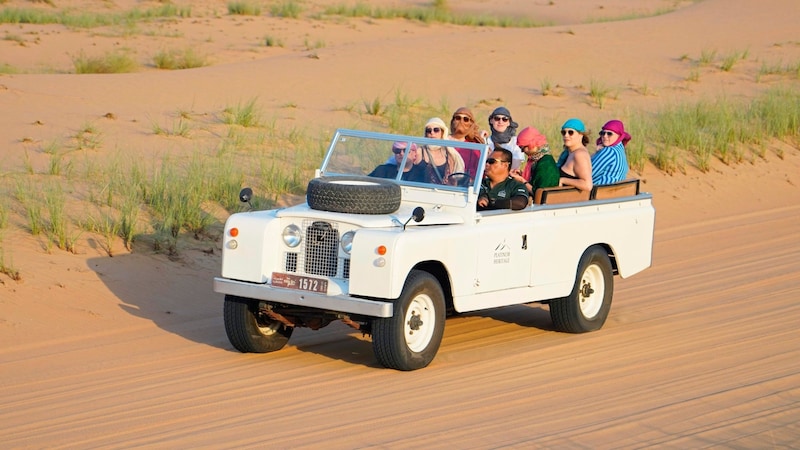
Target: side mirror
[
  {"x": 245, "y": 195},
  {"x": 417, "y": 215}
]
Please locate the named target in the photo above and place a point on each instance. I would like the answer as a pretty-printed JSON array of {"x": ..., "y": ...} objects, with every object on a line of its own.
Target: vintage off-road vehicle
[{"x": 392, "y": 258}]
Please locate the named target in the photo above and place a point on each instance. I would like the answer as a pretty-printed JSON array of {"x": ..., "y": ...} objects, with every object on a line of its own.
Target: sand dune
[{"x": 700, "y": 350}]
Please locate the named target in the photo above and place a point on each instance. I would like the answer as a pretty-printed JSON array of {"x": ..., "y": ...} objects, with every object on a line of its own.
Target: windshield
[{"x": 406, "y": 159}]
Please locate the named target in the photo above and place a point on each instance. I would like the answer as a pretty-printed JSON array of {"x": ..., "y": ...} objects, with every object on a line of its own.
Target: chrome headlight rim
[
  {"x": 346, "y": 241},
  {"x": 292, "y": 235}
]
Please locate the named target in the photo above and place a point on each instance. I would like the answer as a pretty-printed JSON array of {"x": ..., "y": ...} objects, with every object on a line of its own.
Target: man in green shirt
[{"x": 498, "y": 189}]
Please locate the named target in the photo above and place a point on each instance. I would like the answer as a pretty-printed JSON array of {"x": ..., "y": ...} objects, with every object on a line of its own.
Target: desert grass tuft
[
  {"x": 88, "y": 137},
  {"x": 246, "y": 114},
  {"x": 187, "y": 58},
  {"x": 180, "y": 127},
  {"x": 272, "y": 41},
  {"x": 546, "y": 86},
  {"x": 374, "y": 107},
  {"x": 729, "y": 60},
  {"x": 707, "y": 57},
  {"x": 4, "y": 212},
  {"x": 107, "y": 226},
  {"x": 7, "y": 268},
  {"x": 438, "y": 12},
  {"x": 111, "y": 62},
  {"x": 287, "y": 8},
  {"x": 598, "y": 92},
  {"x": 244, "y": 8}
]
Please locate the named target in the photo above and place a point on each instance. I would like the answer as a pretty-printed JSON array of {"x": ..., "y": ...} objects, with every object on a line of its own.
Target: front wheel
[
  {"x": 587, "y": 306},
  {"x": 410, "y": 338},
  {"x": 250, "y": 330}
]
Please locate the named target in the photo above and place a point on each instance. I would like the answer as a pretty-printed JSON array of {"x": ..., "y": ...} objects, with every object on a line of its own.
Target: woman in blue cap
[{"x": 575, "y": 164}]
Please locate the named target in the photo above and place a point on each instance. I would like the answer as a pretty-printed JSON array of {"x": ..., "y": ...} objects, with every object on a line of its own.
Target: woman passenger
[
  {"x": 464, "y": 128},
  {"x": 504, "y": 131},
  {"x": 539, "y": 170},
  {"x": 574, "y": 164},
  {"x": 609, "y": 163},
  {"x": 442, "y": 161}
]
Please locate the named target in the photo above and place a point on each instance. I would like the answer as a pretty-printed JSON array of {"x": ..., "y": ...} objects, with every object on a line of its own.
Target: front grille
[
  {"x": 291, "y": 262},
  {"x": 318, "y": 253},
  {"x": 322, "y": 245}
]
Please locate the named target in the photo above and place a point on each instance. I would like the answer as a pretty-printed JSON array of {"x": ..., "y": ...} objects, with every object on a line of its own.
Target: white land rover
[{"x": 392, "y": 258}]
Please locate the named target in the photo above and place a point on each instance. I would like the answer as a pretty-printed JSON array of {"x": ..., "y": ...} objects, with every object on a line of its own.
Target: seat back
[
  {"x": 624, "y": 188},
  {"x": 555, "y": 195}
]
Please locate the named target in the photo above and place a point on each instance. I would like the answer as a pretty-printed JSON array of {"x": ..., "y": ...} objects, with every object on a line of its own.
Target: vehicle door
[{"x": 504, "y": 258}]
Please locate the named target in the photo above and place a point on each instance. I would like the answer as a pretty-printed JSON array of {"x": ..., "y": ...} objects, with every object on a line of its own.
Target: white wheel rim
[
  {"x": 419, "y": 323},
  {"x": 269, "y": 329},
  {"x": 591, "y": 291}
]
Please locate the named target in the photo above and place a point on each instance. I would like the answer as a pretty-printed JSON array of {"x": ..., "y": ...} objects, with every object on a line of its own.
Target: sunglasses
[
  {"x": 433, "y": 130},
  {"x": 606, "y": 133},
  {"x": 397, "y": 151},
  {"x": 500, "y": 119},
  {"x": 464, "y": 119},
  {"x": 568, "y": 132},
  {"x": 491, "y": 161}
]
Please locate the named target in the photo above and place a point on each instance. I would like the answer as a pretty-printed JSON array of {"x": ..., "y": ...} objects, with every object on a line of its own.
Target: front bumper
[{"x": 337, "y": 303}]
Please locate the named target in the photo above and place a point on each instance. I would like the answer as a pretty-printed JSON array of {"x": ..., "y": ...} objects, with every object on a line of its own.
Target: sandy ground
[{"x": 701, "y": 350}]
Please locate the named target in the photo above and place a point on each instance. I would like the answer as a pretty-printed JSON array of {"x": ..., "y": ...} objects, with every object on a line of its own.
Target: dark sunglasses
[
  {"x": 433, "y": 130},
  {"x": 397, "y": 151},
  {"x": 464, "y": 119},
  {"x": 500, "y": 119},
  {"x": 491, "y": 161},
  {"x": 565, "y": 132},
  {"x": 606, "y": 133}
]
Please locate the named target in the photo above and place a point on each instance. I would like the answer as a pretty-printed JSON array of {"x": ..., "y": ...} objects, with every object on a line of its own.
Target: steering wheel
[{"x": 460, "y": 179}]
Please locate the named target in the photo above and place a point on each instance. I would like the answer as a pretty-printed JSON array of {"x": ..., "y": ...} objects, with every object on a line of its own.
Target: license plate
[{"x": 289, "y": 281}]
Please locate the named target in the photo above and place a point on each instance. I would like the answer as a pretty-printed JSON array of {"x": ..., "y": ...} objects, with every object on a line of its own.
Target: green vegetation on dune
[
  {"x": 86, "y": 19},
  {"x": 177, "y": 196}
]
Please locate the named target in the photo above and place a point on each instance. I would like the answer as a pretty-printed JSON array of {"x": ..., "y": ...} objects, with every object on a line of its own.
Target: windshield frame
[{"x": 342, "y": 134}]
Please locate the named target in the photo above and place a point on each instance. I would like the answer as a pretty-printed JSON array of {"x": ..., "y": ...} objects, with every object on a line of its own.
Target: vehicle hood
[{"x": 433, "y": 216}]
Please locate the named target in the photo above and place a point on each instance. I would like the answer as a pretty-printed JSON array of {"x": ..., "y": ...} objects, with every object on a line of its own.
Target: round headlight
[
  {"x": 347, "y": 241},
  {"x": 292, "y": 235}
]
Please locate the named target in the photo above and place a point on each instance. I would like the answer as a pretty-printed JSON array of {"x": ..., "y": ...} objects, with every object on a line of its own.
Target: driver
[{"x": 498, "y": 189}]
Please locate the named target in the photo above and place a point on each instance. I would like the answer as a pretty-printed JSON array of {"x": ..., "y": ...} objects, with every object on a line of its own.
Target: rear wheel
[
  {"x": 587, "y": 306},
  {"x": 252, "y": 331},
  {"x": 410, "y": 338}
]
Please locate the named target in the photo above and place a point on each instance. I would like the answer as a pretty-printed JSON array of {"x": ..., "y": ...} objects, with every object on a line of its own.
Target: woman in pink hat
[
  {"x": 539, "y": 169},
  {"x": 609, "y": 163}
]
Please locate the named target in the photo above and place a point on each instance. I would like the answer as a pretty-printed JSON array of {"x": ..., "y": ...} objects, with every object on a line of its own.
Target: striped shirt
[{"x": 609, "y": 165}]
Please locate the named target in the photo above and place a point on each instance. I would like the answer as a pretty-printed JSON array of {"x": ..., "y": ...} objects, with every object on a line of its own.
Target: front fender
[{"x": 383, "y": 276}]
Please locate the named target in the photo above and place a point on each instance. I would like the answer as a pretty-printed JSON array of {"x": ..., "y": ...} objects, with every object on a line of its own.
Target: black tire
[
  {"x": 251, "y": 332},
  {"x": 410, "y": 338},
  {"x": 587, "y": 306},
  {"x": 355, "y": 195}
]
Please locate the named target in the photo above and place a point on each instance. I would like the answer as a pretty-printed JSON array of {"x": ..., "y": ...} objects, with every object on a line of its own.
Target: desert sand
[{"x": 701, "y": 350}]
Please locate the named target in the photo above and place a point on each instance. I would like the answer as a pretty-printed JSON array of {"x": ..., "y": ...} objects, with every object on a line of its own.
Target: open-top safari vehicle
[{"x": 392, "y": 258}]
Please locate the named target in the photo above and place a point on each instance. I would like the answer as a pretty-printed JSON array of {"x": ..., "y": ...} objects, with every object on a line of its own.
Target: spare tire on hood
[{"x": 354, "y": 195}]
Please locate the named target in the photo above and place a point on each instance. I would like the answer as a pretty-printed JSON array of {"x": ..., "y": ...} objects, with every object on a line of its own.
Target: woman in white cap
[{"x": 442, "y": 161}]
